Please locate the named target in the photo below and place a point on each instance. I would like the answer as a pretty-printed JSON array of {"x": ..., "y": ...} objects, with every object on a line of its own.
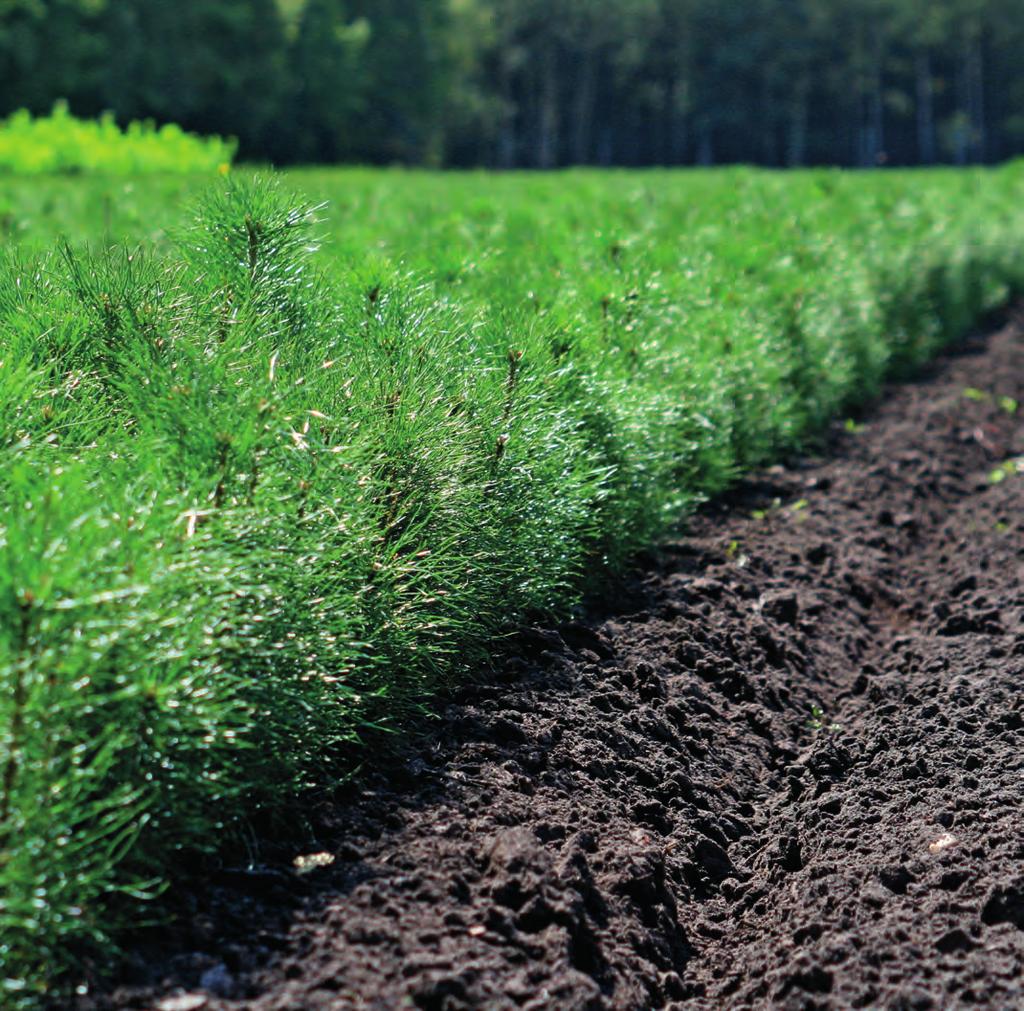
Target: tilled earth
[{"x": 786, "y": 772}]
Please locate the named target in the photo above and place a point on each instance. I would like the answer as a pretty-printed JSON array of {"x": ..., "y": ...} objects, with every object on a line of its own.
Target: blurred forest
[{"x": 540, "y": 83}]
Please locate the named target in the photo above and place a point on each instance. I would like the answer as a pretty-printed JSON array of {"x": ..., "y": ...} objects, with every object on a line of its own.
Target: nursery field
[{"x": 293, "y": 461}]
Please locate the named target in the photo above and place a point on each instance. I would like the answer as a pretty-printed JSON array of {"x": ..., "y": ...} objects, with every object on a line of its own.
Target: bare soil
[{"x": 786, "y": 771}]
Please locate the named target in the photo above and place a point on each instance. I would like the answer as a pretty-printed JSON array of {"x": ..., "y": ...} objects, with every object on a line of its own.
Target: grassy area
[{"x": 258, "y": 499}]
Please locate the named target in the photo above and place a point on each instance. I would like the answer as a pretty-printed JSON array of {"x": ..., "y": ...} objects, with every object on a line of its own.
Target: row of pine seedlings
[{"x": 252, "y": 514}]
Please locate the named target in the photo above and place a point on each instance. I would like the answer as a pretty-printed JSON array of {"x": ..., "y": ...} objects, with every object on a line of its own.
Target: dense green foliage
[
  {"x": 256, "y": 500},
  {"x": 62, "y": 143},
  {"x": 540, "y": 82}
]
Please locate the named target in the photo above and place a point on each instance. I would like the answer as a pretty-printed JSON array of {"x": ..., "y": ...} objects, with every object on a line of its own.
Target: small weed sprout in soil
[
  {"x": 1008, "y": 468},
  {"x": 817, "y": 721},
  {"x": 1008, "y": 405}
]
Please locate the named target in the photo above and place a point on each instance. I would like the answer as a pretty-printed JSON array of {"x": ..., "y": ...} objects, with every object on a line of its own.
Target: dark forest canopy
[{"x": 540, "y": 83}]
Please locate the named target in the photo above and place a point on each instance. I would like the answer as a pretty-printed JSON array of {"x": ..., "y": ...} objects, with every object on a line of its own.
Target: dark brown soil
[{"x": 787, "y": 773}]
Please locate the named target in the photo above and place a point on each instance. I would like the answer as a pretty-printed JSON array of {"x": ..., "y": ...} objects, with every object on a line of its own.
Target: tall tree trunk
[
  {"x": 867, "y": 141},
  {"x": 505, "y": 156},
  {"x": 976, "y": 99},
  {"x": 963, "y": 138},
  {"x": 678, "y": 99},
  {"x": 548, "y": 138},
  {"x": 583, "y": 107},
  {"x": 925, "y": 108},
  {"x": 796, "y": 138},
  {"x": 705, "y": 147},
  {"x": 660, "y": 129},
  {"x": 876, "y": 108},
  {"x": 860, "y": 99},
  {"x": 764, "y": 129}
]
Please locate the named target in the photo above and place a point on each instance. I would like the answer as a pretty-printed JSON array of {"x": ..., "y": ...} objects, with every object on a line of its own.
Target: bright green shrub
[{"x": 62, "y": 143}]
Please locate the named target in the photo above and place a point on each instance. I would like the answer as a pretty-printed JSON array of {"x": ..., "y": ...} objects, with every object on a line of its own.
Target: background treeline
[{"x": 540, "y": 82}]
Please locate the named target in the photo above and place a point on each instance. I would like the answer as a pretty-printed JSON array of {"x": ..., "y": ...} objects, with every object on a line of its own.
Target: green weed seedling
[
  {"x": 1006, "y": 404},
  {"x": 764, "y": 514},
  {"x": 734, "y": 552},
  {"x": 796, "y": 509},
  {"x": 817, "y": 721},
  {"x": 1008, "y": 468}
]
